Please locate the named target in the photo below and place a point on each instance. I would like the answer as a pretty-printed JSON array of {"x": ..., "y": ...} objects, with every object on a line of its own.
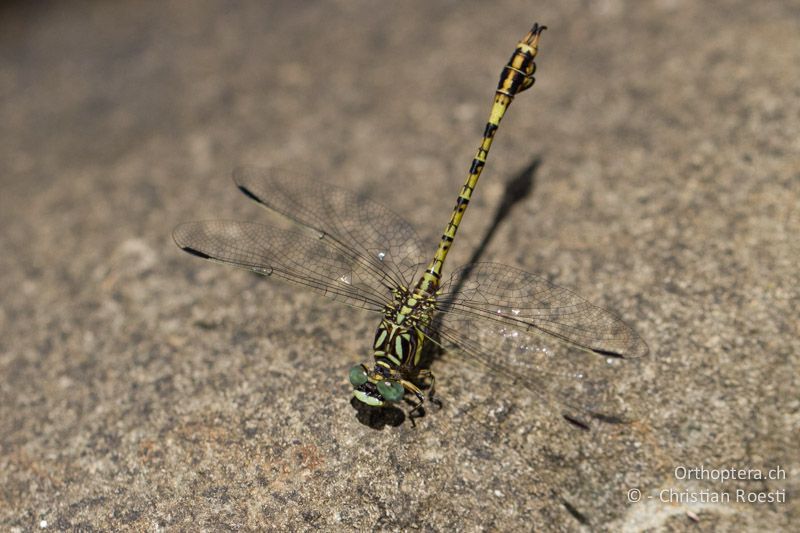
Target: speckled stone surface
[{"x": 144, "y": 389}]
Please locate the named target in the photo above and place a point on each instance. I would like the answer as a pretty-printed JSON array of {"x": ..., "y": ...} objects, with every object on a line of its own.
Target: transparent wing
[
  {"x": 382, "y": 238},
  {"x": 314, "y": 261},
  {"x": 582, "y": 387},
  {"x": 503, "y": 318},
  {"x": 528, "y": 302}
]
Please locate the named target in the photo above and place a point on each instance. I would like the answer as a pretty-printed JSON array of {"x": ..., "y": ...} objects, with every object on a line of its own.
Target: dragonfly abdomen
[{"x": 516, "y": 76}]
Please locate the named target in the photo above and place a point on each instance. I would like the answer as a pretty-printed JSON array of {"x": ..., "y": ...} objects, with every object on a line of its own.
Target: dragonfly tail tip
[{"x": 532, "y": 38}]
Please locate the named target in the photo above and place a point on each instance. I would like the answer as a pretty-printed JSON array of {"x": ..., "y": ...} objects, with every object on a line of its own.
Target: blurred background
[{"x": 143, "y": 389}]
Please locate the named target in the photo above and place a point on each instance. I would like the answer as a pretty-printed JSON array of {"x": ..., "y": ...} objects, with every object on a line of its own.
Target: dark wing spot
[
  {"x": 198, "y": 253},
  {"x": 249, "y": 194}
]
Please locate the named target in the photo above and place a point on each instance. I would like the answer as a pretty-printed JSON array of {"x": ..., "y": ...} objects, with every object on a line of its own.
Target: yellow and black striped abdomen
[
  {"x": 516, "y": 76},
  {"x": 518, "y": 73}
]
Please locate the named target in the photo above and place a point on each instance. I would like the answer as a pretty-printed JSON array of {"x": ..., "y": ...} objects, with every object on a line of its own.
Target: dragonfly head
[{"x": 375, "y": 387}]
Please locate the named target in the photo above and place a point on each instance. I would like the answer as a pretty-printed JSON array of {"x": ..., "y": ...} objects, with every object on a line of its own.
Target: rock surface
[{"x": 144, "y": 389}]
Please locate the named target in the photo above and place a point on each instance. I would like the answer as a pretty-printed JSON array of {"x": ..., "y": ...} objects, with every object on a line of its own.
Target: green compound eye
[
  {"x": 391, "y": 390},
  {"x": 358, "y": 375}
]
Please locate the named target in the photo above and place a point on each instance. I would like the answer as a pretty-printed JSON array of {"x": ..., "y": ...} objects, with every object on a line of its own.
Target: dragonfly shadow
[{"x": 377, "y": 417}]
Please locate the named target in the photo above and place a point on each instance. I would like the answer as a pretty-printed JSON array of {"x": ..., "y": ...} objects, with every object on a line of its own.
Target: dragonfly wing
[
  {"x": 380, "y": 236},
  {"x": 530, "y": 303},
  {"x": 583, "y": 387},
  {"x": 503, "y": 319},
  {"x": 314, "y": 261}
]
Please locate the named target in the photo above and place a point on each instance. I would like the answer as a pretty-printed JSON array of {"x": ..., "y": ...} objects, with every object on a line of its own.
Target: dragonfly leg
[
  {"x": 417, "y": 411},
  {"x": 428, "y": 375}
]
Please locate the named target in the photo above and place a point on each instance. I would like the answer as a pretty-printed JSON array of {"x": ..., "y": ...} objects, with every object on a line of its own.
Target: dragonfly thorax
[
  {"x": 397, "y": 348},
  {"x": 410, "y": 309},
  {"x": 399, "y": 337}
]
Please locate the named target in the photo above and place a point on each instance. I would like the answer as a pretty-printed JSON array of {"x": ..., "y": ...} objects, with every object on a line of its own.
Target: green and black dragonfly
[{"x": 361, "y": 253}]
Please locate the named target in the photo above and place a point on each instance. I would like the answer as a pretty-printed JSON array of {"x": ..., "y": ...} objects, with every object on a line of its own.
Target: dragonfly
[{"x": 361, "y": 253}]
